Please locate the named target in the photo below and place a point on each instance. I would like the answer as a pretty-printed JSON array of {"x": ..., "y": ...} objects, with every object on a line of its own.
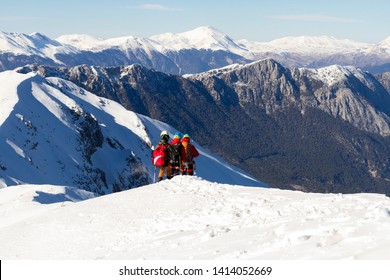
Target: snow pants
[
  {"x": 188, "y": 169},
  {"x": 175, "y": 170},
  {"x": 166, "y": 170}
]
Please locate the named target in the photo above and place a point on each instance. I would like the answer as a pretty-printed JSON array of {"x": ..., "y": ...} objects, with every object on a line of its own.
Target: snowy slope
[
  {"x": 23, "y": 202},
  {"x": 306, "y": 45},
  {"x": 53, "y": 132},
  {"x": 190, "y": 218},
  {"x": 383, "y": 47},
  {"x": 90, "y": 43},
  {"x": 80, "y": 41},
  {"x": 33, "y": 44},
  {"x": 204, "y": 37},
  {"x": 334, "y": 74}
]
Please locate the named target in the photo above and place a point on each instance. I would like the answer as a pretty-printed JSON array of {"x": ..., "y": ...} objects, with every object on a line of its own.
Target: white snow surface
[
  {"x": 190, "y": 218},
  {"x": 204, "y": 37},
  {"x": 90, "y": 43},
  {"x": 22, "y": 202},
  {"x": 81, "y": 41},
  {"x": 331, "y": 75},
  {"x": 383, "y": 46},
  {"x": 33, "y": 44},
  {"x": 306, "y": 45}
]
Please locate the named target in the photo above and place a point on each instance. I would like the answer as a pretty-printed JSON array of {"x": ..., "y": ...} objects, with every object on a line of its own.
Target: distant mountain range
[
  {"x": 195, "y": 51},
  {"x": 322, "y": 130}
]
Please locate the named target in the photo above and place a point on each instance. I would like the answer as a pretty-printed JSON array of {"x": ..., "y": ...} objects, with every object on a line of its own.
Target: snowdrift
[{"x": 190, "y": 218}]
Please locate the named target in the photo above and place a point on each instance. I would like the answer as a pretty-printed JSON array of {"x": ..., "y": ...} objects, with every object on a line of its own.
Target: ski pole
[{"x": 154, "y": 176}]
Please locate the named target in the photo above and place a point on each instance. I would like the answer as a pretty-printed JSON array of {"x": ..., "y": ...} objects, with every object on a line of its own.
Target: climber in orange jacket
[{"x": 188, "y": 164}]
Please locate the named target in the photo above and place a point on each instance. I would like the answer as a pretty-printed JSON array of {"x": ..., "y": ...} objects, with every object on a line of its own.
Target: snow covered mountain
[
  {"x": 33, "y": 44},
  {"x": 207, "y": 38},
  {"x": 54, "y": 132},
  {"x": 343, "y": 92},
  {"x": 305, "y": 45},
  {"x": 361, "y": 99},
  {"x": 187, "y": 218},
  {"x": 195, "y": 51}
]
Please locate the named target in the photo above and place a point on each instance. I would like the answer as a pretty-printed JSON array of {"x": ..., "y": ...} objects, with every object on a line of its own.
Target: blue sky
[{"x": 258, "y": 20}]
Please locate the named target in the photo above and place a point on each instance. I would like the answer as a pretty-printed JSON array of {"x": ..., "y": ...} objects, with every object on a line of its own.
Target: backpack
[
  {"x": 188, "y": 152},
  {"x": 159, "y": 156},
  {"x": 176, "y": 154}
]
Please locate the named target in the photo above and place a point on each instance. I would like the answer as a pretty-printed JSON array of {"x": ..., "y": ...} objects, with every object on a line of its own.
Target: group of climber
[{"x": 175, "y": 157}]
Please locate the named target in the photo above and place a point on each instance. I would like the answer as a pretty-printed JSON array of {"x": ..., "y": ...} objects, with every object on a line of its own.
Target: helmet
[
  {"x": 177, "y": 135},
  {"x": 186, "y": 138},
  {"x": 164, "y": 132}
]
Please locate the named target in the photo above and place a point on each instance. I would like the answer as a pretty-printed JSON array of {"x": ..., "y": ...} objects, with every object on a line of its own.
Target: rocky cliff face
[
  {"x": 315, "y": 130},
  {"x": 384, "y": 79},
  {"x": 342, "y": 92}
]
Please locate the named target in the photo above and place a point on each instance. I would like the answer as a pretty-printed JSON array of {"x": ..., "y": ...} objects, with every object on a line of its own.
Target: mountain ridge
[{"x": 194, "y": 51}]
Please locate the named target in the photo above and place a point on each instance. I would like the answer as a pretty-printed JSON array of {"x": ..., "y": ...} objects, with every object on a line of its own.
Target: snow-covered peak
[
  {"x": 17, "y": 43},
  {"x": 33, "y": 44},
  {"x": 334, "y": 74},
  {"x": 40, "y": 38},
  {"x": 383, "y": 46},
  {"x": 205, "y": 37},
  {"x": 81, "y": 41},
  {"x": 385, "y": 41},
  {"x": 330, "y": 75},
  {"x": 306, "y": 45},
  {"x": 90, "y": 43},
  {"x": 130, "y": 42},
  {"x": 216, "y": 72}
]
